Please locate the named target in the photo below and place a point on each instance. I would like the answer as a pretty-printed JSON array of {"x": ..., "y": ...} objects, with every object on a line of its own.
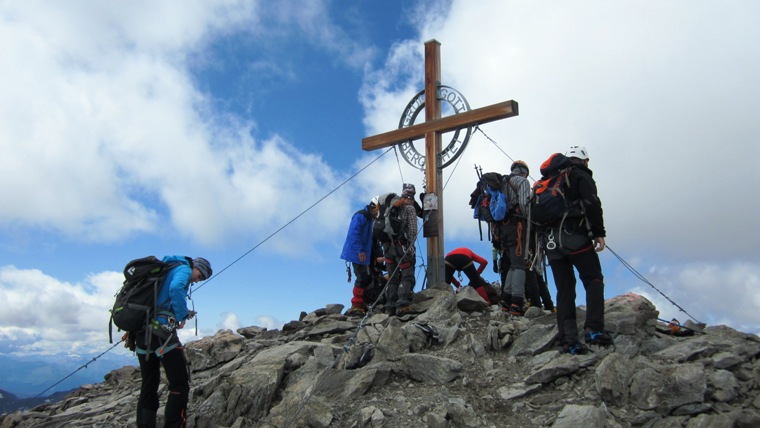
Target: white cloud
[
  {"x": 107, "y": 136},
  {"x": 662, "y": 106},
  {"x": 662, "y": 96},
  {"x": 268, "y": 322},
  {"x": 45, "y": 315},
  {"x": 231, "y": 322}
]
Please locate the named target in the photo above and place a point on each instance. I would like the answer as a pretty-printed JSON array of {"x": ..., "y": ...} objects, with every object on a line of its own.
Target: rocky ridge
[{"x": 454, "y": 362}]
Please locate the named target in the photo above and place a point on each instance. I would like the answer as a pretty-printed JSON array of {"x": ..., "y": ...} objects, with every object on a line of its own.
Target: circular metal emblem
[{"x": 454, "y": 101}]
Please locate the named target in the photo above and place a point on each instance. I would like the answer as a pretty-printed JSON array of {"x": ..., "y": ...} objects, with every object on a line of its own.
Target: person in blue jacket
[
  {"x": 163, "y": 347},
  {"x": 358, "y": 250}
]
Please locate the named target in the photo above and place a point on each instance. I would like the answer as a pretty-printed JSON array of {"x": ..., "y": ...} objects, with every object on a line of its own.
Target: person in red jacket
[{"x": 463, "y": 260}]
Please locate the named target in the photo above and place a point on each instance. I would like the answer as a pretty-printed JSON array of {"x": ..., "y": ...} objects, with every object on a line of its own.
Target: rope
[
  {"x": 351, "y": 340},
  {"x": 626, "y": 264},
  {"x": 189, "y": 295},
  {"x": 398, "y": 163},
  {"x": 80, "y": 368},
  {"x": 500, "y": 149},
  {"x": 291, "y": 221},
  {"x": 644, "y": 280}
]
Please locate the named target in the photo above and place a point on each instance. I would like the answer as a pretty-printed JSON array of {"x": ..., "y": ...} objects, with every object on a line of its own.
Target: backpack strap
[{"x": 366, "y": 213}]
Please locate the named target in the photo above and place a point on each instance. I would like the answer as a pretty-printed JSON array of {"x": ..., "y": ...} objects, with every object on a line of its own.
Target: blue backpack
[{"x": 488, "y": 201}]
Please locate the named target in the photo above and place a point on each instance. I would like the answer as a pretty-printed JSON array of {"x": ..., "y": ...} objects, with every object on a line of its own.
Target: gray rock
[
  {"x": 560, "y": 366},
  {"x": 484, "y": 370},
  {"x": 430, "y": 369},
  {"x": 573, "y": 416},
  {"x": 612, "y": 379},
  {"x": 668, "y": 387},
  {"x": 468, "y": 300},
  {"x": 211, "y": 351}
]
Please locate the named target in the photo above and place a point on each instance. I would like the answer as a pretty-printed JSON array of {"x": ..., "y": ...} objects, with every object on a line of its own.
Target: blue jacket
[
  {"x": 359, "y": 238},
  {"x": 173, "y": 293}
]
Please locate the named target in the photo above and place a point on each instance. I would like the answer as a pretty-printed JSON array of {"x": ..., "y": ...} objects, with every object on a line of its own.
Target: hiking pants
[
  {"x": 363, "y": 280},
  {"x": 400, "y": 265},
  {"x": 531, "y": 288},
  {"x": 176, "y": 371},
  {"x": 513, "y": 279},
  {"x": 460, "y": 262},
  {"x": 589, "y": 268},
  {"x": 537, "y": 290},
  {"x": 543, "y": 291}
]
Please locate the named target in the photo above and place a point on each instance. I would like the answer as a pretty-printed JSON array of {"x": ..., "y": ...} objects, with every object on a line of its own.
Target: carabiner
[{"x": 551, "y": 244}]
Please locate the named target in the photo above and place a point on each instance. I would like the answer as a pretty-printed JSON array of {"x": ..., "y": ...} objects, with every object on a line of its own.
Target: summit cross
[{"x": 432, "y": 129}]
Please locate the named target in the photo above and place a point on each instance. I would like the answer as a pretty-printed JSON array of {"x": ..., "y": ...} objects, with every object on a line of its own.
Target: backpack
[
  {"x": 548, "y": 202},
  {"x": 388, "y": 226},
  {"x": 135, "y": 303},
  {"x": 489, "y": 200}
]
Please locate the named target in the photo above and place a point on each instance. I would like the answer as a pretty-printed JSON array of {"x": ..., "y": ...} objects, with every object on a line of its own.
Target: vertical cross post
[
  {"x": 433, "y": 172},
  {"x": 432, "y": 129}
]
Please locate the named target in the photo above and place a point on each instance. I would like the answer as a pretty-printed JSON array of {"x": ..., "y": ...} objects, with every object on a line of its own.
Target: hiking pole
[{"x": 676, "y": 323}]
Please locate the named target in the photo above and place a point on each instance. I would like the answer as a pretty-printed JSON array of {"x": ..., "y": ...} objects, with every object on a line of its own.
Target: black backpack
[
  {"x": 136, "y": 303},
  {"x": 549, "y": 203}
]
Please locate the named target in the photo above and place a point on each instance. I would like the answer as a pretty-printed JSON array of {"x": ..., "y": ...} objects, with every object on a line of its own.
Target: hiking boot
[
  {"x": 356, "y": 311},
  {"x": 597, "y": 338},
  {"x": 576, "y": 349},
  {"x": 516, "y": 310}
]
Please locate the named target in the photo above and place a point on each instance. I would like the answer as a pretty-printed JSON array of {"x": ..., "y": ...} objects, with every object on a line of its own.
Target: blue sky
[{"x": 201, "y": 128}]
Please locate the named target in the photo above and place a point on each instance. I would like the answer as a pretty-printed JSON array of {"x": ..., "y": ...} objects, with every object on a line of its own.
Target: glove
[{"x": 129, "y": 341}]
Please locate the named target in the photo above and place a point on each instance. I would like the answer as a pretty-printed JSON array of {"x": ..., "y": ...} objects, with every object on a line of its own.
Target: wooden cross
[{"x": 432, "y": 129}]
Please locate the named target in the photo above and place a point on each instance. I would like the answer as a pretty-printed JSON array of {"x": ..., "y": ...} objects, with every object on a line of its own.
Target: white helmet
[
  {"x": 579, "y": 152},
  {"x": 375, "y": 202}
]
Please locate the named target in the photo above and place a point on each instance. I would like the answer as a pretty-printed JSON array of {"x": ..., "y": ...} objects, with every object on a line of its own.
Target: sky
[{"x": 232, "y": 130}]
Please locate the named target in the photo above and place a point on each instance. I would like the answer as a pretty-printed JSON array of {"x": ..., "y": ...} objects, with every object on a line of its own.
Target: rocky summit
[{"x": 453, "y": 361}]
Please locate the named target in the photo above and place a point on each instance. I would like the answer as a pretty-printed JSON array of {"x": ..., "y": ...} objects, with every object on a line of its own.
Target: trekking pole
[{"x": 674, "y": 322}]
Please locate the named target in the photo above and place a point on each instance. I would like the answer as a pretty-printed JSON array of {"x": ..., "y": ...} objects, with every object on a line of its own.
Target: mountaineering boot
[
  {"x": 356, "y": 311},
  {"x": 598, "y": 338},
  {"x": 516, "y": 310},
  {"x": 146, "y": 418},
  {"x": 575, "y": 349}
]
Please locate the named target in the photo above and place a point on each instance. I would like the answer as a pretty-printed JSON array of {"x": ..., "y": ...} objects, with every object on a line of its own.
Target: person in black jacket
[{"x": 584, "y": 237}]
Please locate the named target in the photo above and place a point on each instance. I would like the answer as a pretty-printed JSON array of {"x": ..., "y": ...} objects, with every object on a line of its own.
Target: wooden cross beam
[{"x": 432, "y": 129}]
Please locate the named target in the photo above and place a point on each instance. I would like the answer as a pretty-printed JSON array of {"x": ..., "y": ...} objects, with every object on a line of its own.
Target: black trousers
[
  {"x": 176, "y": 370},
  {"x": 460, "y": 262},
  {"x": 590, "y": 272}
]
